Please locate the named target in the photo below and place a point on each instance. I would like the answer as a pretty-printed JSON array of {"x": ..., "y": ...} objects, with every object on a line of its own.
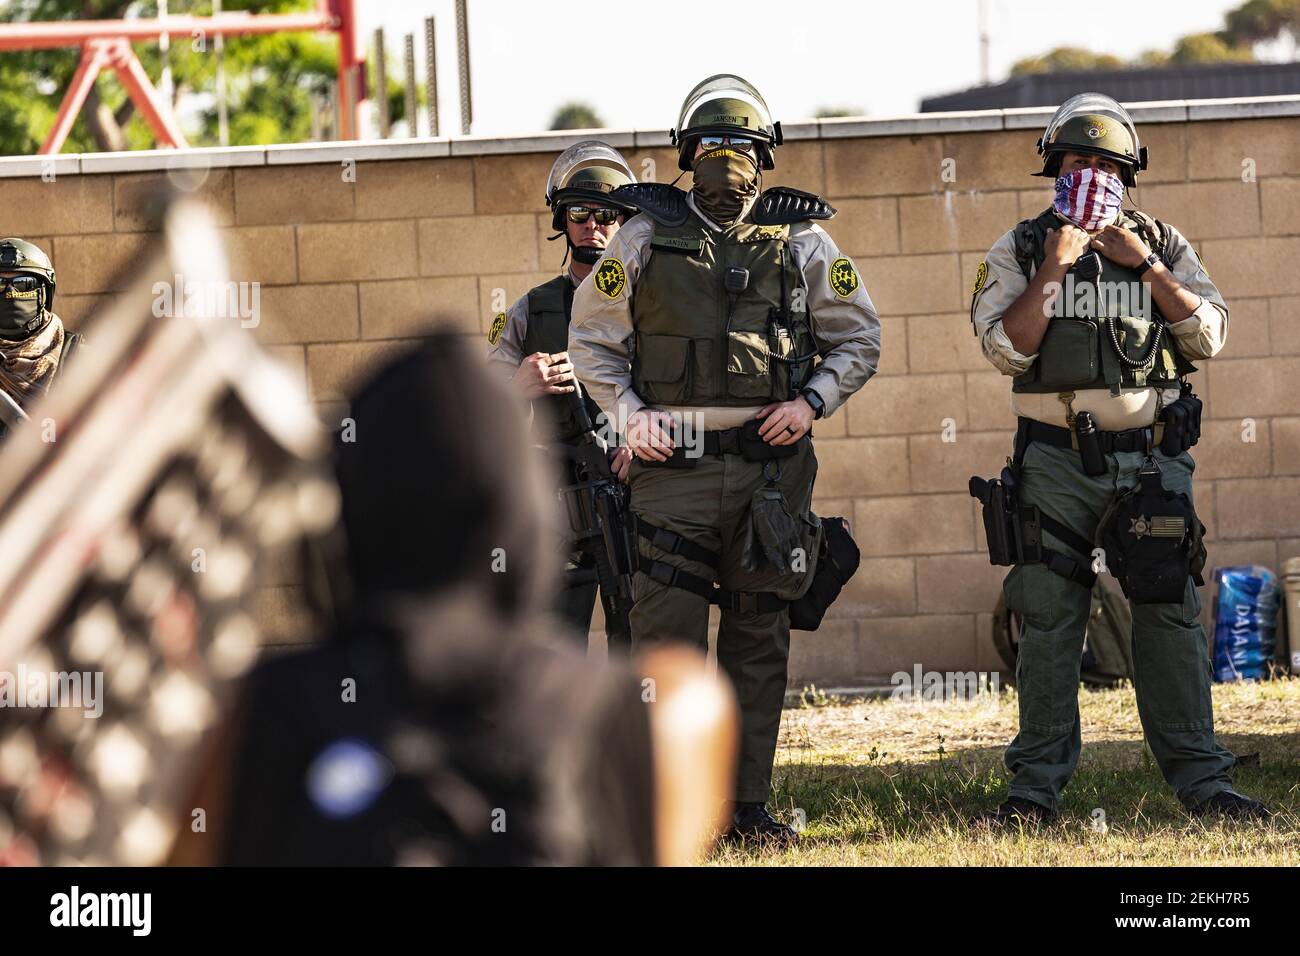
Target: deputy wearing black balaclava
[{"x": 33, "y": 341}]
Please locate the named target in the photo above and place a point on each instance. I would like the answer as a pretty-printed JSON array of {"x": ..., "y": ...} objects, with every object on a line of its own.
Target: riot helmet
[
  {"x": 1094, "y": 124},
  {"x": 24, "y": 312},
  {"x": 590, "y": 171},
  {"x": 725, "y": 105}
]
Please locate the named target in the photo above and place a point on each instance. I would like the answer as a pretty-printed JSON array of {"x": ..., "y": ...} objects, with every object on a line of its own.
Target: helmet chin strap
[
  {"x": 587, "y": 255},
  {"x": 581, "y": 254}
]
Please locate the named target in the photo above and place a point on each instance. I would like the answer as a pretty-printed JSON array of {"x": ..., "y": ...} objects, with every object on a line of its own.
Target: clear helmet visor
[
  {"x": 590, "y": 164},
  {"x": 1086, "y": 104},
  {"x": 726, "y": 86}
]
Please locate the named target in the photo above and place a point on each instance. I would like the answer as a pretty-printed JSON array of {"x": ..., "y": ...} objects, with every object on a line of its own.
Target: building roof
[{"x": 1195, "y": 82}]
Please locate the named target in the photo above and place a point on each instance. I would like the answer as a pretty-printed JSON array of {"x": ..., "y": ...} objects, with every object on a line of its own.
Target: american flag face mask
[{"x": 1089, "y": 198}]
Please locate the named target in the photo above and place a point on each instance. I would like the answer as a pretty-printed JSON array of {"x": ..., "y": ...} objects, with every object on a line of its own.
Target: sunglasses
[
  {"x": 604, "y": 215},
  {"x": 20, "y": 285},
  {"x": 739, "y": 143}
]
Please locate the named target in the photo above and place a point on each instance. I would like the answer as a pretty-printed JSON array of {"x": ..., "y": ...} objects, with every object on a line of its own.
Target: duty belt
[
  {"x": 743, "y": 440},
  {"x": 1132, "y": 439},
  {"x": 724, "y": 442}
]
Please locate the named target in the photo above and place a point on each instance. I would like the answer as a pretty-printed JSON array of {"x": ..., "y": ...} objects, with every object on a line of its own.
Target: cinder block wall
[{"x": 359, "y": 247}]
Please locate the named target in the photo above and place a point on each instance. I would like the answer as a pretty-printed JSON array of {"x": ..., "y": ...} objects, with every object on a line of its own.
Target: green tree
[
  {"x": 1066, "y": 58},
  {"x": 270, "y": 79},
  {"x": 1208, "y": 48},
  {"x": 576, "y": 115},
  {"x": 1254, "y": 21},
  {"x": 1257, "y": 20},
  {"x": 1151, "y": 59}
]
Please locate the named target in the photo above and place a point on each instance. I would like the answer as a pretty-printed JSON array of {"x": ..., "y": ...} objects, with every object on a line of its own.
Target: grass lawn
[{"x": 885, "y": 782}]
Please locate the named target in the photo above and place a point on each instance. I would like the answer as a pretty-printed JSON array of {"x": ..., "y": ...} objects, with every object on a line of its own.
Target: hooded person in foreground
[{"x": 443, "y": 723}]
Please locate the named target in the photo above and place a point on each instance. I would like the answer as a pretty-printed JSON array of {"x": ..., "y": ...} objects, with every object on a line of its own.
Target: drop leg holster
[
  {"x": 753, "y": 602},
  {"x": 1014, "y": 530}
]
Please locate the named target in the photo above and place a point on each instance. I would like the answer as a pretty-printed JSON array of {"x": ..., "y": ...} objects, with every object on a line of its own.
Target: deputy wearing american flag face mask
[{"x": 1097, "y": 311}]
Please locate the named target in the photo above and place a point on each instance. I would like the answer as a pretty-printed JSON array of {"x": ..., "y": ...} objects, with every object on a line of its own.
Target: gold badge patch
[
  {"x": 610, "y": 278},
  {"x": 981, "y": 277},
  {"x": 843, "y": 278},
  {"x": 498, "y": 326}
]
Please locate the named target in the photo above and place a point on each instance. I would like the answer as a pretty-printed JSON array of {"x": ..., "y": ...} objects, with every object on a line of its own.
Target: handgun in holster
[{"x": 1013, "y": 530}]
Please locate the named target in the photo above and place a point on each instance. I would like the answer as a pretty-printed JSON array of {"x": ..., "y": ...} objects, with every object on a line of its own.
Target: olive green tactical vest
[
  {"x": 1077, "y": 351},
  {"x": 696, "y": 344},
  {"x": 549, "y": 308}
]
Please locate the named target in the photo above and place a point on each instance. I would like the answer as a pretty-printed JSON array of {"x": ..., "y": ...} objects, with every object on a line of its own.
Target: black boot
[
  {"x": 1233, "y": 805},
  {"x": 1015, "y": 811},
  {"x": 752, "y": 824}
]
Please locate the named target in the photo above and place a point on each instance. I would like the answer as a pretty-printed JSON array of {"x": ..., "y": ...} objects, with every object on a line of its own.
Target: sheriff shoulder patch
[
  {"x": 981, "y": 277},
  {"x": 843, "y": 278},
  {"x": 610, "y": 278},
  {"x": 498, "y": 326}
]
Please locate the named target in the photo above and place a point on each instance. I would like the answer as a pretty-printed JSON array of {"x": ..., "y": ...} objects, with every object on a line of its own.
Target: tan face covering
[
  {"x": 28, "y": 366},
  {"x": 724, "y": 180}
]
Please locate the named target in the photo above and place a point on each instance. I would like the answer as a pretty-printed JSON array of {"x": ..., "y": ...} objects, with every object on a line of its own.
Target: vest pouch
[
  {"x": 1134, "y": 334},
  {"x": 1154, "y": 541},
  {"x": 749, "y": 367},
  {"x": 660, "y": 369},
  {"x": 837, "y": 561},
  {"x": 1067, "y": 357},
  {"x": 803, "y": 568},
  {"x": 1165, "y": 368},
  {"x": 775, "y": 542}
]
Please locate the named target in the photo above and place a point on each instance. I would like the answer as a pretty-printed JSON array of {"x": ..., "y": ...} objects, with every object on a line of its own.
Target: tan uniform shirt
[
  {"x": 507, "y": 354},
  {"x": 1200, "y": 336},
  {"x": 845, "y": 328}
]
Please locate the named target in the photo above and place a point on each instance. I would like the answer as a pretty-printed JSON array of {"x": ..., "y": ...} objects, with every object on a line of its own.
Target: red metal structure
[{"x": 107, "y": 44}]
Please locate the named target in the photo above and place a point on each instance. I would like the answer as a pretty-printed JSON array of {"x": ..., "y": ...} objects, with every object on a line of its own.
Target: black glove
[{"x": 1182, "y": 424}]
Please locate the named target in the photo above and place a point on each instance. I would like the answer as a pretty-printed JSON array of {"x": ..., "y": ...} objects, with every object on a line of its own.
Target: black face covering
[
  {"x": 19, "y": 315},
  {"x": 724, "y": 180}
]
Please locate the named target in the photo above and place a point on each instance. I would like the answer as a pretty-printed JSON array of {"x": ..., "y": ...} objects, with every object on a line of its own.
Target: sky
[{"x": 635, "y": 61}]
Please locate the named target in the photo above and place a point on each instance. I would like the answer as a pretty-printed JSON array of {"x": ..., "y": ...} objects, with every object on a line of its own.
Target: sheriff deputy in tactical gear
[
  {"x": 701, "y": 330},
  {"x": 1097, "y": 313},
  {"x": 529, "y": 341},
  {"x": 33, "y": 342}
]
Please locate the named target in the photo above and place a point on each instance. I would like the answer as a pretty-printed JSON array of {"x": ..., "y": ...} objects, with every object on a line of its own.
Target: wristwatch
[
  {"x": 1147, "y": 263},
  {"x": 815, "y": 402}
]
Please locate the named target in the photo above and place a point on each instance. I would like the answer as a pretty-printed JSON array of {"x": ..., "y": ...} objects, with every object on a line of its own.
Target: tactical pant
[
  {"x": 1171, "y": 661},
  {"x": 710, "y": 506},
  {"x": 574, "y": 605}
]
